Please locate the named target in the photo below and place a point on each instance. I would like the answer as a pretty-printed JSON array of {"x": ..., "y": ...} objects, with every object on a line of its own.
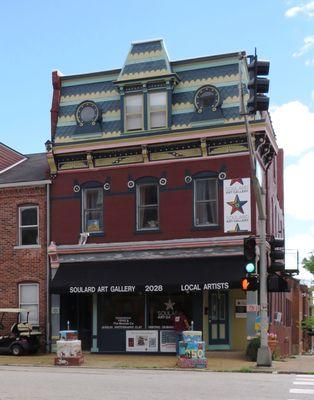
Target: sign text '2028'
[{"x": 154, "y": 288}]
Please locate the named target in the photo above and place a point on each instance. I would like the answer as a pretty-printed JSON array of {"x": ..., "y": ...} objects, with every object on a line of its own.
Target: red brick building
[
  {"x": 151, "y": 200},
  {"x": 23, "y": 234}
]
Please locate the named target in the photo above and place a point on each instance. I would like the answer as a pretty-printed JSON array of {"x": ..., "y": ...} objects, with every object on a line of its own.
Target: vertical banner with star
[{"x": 237, "y": 205}]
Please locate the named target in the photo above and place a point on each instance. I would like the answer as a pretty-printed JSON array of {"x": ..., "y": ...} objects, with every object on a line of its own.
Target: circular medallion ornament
[
  {"x": 222, "y": 176},
  {"x": 87, "y": 113},
  {"x": 131, "y": 184},
  {"x": 76, "y": 188},
  {"x": 188, "y": 179},
  {"x": 207, "y": 97},
  {"x": 162, "y": 181},
  {"x": 107, "y": 186}
]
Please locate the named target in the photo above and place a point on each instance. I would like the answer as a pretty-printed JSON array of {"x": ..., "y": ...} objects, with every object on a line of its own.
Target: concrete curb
[{"x": 258, "y": 370}]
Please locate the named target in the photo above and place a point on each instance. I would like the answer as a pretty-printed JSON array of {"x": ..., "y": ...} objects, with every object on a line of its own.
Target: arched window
[
  {"x": 92, "y": 209},
  {"x": 205, "y": 201},
  {"x": 147, "y": 206}
]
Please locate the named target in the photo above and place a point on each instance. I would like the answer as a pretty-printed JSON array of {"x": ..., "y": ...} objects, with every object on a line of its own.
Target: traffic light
[
  {"x": 258, "y": 86},
  {"x": 276, "y": 283},
  {"x": 249, "y": 251},
  {"x": 277, "y": 254},
  {"x": 250, "y": 283}
]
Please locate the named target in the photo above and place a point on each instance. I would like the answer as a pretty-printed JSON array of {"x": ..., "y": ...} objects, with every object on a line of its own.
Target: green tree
[{"x": 308, "y": 263}]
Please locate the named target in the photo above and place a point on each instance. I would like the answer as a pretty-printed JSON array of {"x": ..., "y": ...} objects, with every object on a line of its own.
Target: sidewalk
[{"x": 230, "y": 361}]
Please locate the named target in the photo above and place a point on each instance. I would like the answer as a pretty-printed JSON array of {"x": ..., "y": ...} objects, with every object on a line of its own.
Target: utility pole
[{"x": 264, "y": 356}]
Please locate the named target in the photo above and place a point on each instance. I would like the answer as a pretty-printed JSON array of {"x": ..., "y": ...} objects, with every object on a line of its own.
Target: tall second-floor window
[
  {"x": 205, "y": 202},
  {"x": 147, "y": 204},
  {"x": 134, "y": 112},
  {"x": 28, "y": 225},
  {"x": 157, "y": 102},
  {"x": 92, "y": 210}
]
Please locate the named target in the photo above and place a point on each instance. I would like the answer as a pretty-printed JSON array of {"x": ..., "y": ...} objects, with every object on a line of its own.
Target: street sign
[{"x": 252, "y": 308}]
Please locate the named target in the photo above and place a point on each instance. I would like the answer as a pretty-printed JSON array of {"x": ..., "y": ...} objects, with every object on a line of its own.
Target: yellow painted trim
[
  {"x": 213, "y": 81},
  {"x": 88, "y": 96},
  {"x": 145, "y": 74},
  {"x": 171, "y": 155},
  {"x": 142, "y": 56}
]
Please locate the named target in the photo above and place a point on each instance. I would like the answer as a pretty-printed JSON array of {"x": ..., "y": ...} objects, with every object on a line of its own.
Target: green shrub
[{"x": 252, "y": 348}]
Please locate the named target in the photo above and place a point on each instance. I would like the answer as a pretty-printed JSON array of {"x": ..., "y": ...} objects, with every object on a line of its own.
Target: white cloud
[
  {"x": 307, "y": 9},
  {"x": 308, "y": 45},
  {"x": 309, "y": 63},
  {"x": 292, "y": 12},
  {"x": 294, "y": 127}
]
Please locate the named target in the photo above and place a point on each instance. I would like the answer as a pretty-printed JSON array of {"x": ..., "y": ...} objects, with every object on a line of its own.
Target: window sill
[
  {"x": 29, "y": 246},
  {"x": 205, "y": 228},
  {"x": 96, "y": 234},
  {"x": 140, "y": 231}
]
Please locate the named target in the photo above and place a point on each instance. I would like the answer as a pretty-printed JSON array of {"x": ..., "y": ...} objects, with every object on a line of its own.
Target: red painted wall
[{"x": 176, "y": 200}]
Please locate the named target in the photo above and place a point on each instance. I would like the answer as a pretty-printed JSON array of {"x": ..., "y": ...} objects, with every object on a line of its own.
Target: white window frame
[
  {"x": 22, "y": 208},
  {"x": 24, "y": 305},
  {"x": 161, "y": 109},
  {"x": 127, "y": 114},
  {"x": 139, "y": 206},
  {"x": 84, "y": 210},
  {"x": 195, "y": 202}
]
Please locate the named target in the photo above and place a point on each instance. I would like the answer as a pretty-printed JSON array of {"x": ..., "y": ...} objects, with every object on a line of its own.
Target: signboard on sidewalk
[{"x": 146, "y": 341}]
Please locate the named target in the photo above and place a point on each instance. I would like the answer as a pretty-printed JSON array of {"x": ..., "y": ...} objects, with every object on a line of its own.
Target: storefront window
[
  {"x": 162, "y": 307},
  {"x": 122, "y": 312}
]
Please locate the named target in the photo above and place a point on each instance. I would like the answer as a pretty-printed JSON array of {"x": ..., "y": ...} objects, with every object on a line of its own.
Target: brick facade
[{"x": 17, "y": 264}]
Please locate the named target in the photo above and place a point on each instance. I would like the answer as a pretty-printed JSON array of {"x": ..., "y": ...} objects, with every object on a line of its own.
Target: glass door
[{"x": 218, "y": 318}]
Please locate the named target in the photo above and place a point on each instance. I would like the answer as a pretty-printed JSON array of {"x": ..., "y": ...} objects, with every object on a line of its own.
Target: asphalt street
[{"x": 45, "y": 383}]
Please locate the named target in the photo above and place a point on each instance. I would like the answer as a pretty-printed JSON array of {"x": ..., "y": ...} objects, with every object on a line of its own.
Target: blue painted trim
[
  {"x": 145, "y": 109},
  {"x": 189, "y": 66},
  {"x": 122, "y": 102},
  {"x": 169, "y": 105},
  {"x": 218, "y": 85},
  {"x": 218, "y": 347},
  {"x": 89, "y": 96},
  {"x": 80, "y": 81}
]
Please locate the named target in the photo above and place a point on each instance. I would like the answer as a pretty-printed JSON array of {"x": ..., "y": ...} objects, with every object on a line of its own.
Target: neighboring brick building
[
  {"x": 152, "y": 198},
  {"x": 23, "y": 234}
]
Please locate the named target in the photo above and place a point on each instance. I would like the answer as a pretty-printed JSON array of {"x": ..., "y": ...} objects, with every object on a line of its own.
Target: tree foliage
[
  {"x": 308, "y": 263},
  {"x": 308, "y": 324}
]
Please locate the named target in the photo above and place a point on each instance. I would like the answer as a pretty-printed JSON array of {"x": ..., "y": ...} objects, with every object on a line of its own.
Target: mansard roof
[{"x": 147, "y": 65}]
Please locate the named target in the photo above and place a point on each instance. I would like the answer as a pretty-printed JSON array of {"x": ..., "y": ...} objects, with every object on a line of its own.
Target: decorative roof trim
[{"x": 19, "y": 184}]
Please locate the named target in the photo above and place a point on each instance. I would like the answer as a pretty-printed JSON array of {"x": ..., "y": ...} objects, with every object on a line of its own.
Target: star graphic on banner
[
  {"x": 239, "y": 180},
  {"x": 236, "y": 205},
  {"x": 169, "y": 305}
]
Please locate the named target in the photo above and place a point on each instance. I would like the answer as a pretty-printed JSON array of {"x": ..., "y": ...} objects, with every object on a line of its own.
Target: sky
[{"x": 37, "y": 37}]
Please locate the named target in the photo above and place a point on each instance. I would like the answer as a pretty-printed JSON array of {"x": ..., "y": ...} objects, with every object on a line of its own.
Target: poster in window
[
  {"x": 237, "y": 205},
  {"x": 146, "y": 341},
  {"x": 93, "y": 225},
  {"x": 168, "y": 341}
]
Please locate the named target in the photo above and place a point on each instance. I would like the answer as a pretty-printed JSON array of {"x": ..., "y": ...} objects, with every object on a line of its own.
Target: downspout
[{"x": 48, "y": 344}]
